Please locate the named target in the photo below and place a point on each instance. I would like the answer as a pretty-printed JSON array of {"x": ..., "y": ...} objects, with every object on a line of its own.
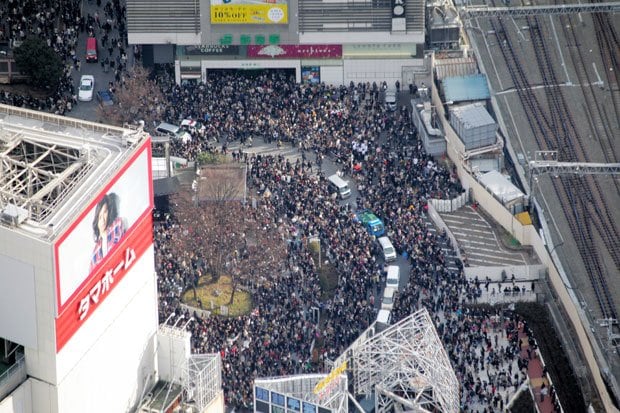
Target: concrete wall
[
  {"x": 20, "y": 401},
  {"x": 527, "y": 235}
]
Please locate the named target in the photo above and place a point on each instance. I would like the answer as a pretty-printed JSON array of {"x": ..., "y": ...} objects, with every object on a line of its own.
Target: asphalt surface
[{"x": 88, "y": 110}]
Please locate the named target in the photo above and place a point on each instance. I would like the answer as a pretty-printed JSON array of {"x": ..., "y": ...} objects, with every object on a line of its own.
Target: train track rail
[
  {"x": 570, "y": 142},
  {"x": 554, "y": 129}
]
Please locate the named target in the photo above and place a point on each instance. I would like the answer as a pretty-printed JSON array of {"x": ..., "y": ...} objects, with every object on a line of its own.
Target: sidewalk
[{"x": 535, "y": 374}]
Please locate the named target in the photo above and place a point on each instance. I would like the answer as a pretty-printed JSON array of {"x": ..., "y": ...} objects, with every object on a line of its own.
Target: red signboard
[
  {"x": 113, "y": 230},
  {"x": 286, "y": 51},
  {"x": 104, "y": 280}
]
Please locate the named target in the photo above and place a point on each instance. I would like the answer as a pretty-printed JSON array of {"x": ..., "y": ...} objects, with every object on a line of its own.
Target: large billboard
[
  {"x": 93, "y": 255},
  {"x": 249, "y": 11}
]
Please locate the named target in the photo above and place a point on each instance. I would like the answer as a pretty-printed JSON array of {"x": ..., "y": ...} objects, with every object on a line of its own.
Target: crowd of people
[
  {"x": 394, "y": 177},
  {"x": 60, "y": 24}
]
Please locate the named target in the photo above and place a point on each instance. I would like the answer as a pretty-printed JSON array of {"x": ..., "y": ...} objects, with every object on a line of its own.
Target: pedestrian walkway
[
  {"x": 537, "y": 378},
  {"x": 450, "y": 255},
  {"x": 478, "y": 240}
]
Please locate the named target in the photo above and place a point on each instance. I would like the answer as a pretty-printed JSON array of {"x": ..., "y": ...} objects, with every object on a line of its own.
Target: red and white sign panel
[
  {"x": 292, "y": 51},
  {"x": 100, "y": 246}
]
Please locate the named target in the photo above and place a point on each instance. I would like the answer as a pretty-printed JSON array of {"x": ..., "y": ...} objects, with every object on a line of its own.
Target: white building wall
[
  {"x": 105, "y": 365},
  {"x": 332, "y": 75},
  {"x": 37, "y": 255},
  {"x": 359, "y": 37},
  {"x": 164, "y": 38},
  {"x": 371, "y": 70},
  {"x": 19, "y": 401}
]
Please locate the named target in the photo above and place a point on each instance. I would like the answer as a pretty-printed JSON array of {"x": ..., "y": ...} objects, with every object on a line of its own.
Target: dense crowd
[
  {"x": 395, "y": 179},
  {"x": 60, "y": 24}
]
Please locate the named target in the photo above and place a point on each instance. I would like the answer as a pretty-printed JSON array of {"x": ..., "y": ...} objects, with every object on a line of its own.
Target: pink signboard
[{"x": 287, "y": 51}]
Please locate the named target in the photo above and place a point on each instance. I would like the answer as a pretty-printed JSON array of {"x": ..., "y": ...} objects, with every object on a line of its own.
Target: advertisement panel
[
  {"x": 93, "y": 255},
  {"x": 249, "y": 11},
  {"x": 311, "y": 74},
  {"x": 292, "y": 51}
]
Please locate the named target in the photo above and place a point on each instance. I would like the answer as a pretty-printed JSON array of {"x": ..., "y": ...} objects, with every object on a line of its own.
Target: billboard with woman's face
[{"x": 87, "y": 245}]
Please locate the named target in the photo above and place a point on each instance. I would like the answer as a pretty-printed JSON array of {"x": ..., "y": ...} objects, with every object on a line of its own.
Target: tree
[
  {"x": 137, "y": 98},
  {"x": 39, "y": 62},
  {"x": 231, "y": 238}
]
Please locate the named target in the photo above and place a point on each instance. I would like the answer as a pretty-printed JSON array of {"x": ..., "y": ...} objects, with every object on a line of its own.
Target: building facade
[
  {"x": 331, "y": 41},
  {"x": 78, "y": 300}
]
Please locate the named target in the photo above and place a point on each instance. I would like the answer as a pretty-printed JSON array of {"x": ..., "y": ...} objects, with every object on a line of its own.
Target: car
[
  {"x": 390, "y": 100},
  {"x": 174, "y": 131},
  {"x": 87, "y": 86},
  {"x": 388, "y": 298},
  {"x": 105, "y": 98}
]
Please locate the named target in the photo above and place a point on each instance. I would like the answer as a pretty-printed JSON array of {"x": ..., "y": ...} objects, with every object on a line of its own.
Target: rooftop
[
  {"x": 466, "y": 88},
  {"x": 473, "y": 115},
  {"x": 47, "y": 160}
]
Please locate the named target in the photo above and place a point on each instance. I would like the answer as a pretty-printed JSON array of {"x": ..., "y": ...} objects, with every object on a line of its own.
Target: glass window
[
  {"x": 293, "y": 404},
  {"x": 262, "y": 394},
  {"x": 277, "y": 398}
]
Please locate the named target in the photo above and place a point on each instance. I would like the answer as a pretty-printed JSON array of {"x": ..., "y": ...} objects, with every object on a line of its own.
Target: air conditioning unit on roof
[{"x": 13, "y": 215}]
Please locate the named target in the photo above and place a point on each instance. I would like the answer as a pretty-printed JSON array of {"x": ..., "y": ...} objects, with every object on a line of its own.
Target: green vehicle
[{"x": 371, "y": 222}]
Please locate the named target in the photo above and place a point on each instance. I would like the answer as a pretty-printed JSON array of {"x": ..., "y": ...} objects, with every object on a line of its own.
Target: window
[
  {"x": 293, "y": 404},
  {"x": 277, "y": 399}
]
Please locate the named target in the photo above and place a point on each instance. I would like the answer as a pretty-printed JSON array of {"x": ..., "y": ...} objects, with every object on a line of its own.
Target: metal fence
[{"x": 449, "y": 205}]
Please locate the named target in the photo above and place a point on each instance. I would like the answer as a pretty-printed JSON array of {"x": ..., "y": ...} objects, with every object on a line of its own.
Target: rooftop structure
[
  {"x": 45, "y": 158},
  {"x": 403, "y": 367},
  {"x": 474, "y": 125},
  {"x": 466, "y": 88}
]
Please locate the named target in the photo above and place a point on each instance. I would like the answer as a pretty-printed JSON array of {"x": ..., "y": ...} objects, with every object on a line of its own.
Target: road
[{"x": 88, "y": 110}]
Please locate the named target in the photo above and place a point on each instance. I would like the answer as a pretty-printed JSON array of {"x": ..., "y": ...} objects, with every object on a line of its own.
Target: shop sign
[
  {"x": 305, "y": 51},
  {"x": 212, "y": 50},
  {"x": 249, "y": 12}
]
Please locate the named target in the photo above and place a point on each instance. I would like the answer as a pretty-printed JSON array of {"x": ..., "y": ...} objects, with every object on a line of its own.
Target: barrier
[
  {"x": 528, "y": 235},
  {"x": 449, "y": 205}
]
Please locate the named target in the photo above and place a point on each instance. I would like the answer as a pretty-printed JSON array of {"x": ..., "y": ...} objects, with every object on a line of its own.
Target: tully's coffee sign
[
  {"x": 212, "y": 50},
  {"x": 398, "y": 9}
]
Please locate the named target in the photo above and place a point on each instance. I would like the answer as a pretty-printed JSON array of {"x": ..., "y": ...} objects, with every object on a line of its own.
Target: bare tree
[
  {"x": 232, "y": 239},
  {"x": 137, "y": 98}
]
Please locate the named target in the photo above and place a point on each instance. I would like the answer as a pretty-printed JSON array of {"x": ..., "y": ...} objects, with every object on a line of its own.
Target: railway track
[
  {"x": 554, "y": 129},
  {"x": 570, "y": 142},
  {"x": 607, "y": 39}
]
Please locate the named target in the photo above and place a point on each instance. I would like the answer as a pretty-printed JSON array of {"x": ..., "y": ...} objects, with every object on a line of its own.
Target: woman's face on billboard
[{"x": 102, "y": 219}]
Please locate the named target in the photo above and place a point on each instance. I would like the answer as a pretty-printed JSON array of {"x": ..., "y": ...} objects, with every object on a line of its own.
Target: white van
[
  {"x": 384, "y": 317},
  {"x": 393, "y": 277},
  {"x": 388, "y": 298},
  {"x": 174, "y": 131},
  {"x": 389, "y": 253},
  {"x": 390, "y": 100},
  {"x": 340, "y": 186}
]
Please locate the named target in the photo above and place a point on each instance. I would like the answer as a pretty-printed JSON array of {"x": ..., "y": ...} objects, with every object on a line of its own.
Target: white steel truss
[
  {"x": 203, "y": 380},
  {"x": 483, "y": 11},
  {"x": 573, "y": 168},
  {"x": 405, "y": 364},
  {"x": 37, "y": 176}
]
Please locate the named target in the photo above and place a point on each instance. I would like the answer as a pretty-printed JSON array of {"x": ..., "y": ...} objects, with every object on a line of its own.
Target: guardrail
[{"x": 13, "y": 377}]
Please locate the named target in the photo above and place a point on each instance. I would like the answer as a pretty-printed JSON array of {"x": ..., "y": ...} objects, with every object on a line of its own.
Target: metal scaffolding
[
  {"x": 483, "y": 11},
  {"x": 37, "y": 176},
  {"x": 405, "y": 364},
  {"x": 573, "y": 168},
  {"x": 203, "y": 380}
]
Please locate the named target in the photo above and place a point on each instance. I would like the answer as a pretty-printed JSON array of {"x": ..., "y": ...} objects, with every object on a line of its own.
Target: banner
[
  {"x": 249, "y": 11},
  {"x": 290, "y": 51}
]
